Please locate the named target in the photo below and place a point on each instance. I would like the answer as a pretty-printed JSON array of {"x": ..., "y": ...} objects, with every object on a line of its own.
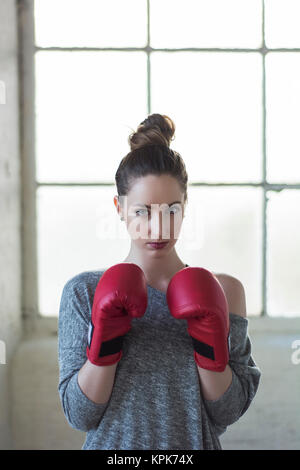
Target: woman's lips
[{"x": 157, "y": 245}]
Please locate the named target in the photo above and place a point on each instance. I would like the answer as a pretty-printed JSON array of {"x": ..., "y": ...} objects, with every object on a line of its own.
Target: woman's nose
[{"x": 159, "y": 226}]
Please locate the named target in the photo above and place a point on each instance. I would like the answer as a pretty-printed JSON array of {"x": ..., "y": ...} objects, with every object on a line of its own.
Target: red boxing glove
[
  {"x": 121, "y": 294},
  {"x": 196, "y": 295}
]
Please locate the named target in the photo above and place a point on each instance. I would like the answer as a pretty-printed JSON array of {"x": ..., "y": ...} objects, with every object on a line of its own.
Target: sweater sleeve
[
  {"x": 74, "y": 313},
  {"x": 245, "y": 378}
]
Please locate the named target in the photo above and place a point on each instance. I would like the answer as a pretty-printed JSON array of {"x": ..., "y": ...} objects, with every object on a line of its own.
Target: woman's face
[{"x": 153, "y": 211}]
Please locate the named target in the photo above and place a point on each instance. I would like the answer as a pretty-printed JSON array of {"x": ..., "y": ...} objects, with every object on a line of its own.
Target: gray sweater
[{"x": 156, "y": 401}]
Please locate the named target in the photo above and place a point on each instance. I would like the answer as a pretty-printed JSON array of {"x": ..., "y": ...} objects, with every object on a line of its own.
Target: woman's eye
[
  {"x": 145, "y": 211},
  {"x": 141, "y": 210},
  {"x": 174, "y": 210}
]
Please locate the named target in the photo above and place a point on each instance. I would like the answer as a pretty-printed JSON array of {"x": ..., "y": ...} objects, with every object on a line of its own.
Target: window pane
[
  {"x": 282, "y": 23},
  {"x": 215, "y": 100},
  {"x": 78, "y": 230},
  {"x": 222, "y": 232},
  {"x": 86, "y": 105},
  {"x": 206, "y": 23},
  {"x": 283, "y": 103},
  {"x": 283, "y": 253},
  {"x": 91, "y": 23}
]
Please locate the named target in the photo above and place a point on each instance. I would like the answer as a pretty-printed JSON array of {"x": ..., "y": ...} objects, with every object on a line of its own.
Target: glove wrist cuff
[
  {"x": 204, "y": 356},
  {"x": 203, "y": 349},
  {"x": 102, "y": 352}
]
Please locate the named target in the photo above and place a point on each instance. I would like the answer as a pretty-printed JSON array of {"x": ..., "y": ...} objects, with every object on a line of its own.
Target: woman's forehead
[{"x": 155, "y": 189}]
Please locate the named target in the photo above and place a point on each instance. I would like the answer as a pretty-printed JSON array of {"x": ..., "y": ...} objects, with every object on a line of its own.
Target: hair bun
[{"x": 156, "y": 129}]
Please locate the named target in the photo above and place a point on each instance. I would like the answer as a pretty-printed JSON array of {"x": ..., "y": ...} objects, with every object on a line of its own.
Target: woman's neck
[{"x": 157, "y": 271}]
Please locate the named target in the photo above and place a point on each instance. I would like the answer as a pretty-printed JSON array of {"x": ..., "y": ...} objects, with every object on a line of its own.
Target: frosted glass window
[
  {"x": 222, "y": 232},
  {"x": 91, "y": 23},
  {"x": 78, "y": 230},
  {"x": 86, "y": 104},
  {"x": 215, "y": 100},
  {"x": 283, "y": 253},
  {"x": 206, "y": 23},
  {"x": 282, "y": 23},
  {"x": 283, "y": 104}
]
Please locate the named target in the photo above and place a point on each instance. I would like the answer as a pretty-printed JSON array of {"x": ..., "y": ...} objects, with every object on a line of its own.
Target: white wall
[{"x": 10, "y": 220}]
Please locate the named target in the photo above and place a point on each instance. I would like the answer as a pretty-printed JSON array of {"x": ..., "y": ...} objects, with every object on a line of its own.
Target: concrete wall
[
  {"x": 273, "y": 419},
  {"x": 10, "y": 214}
]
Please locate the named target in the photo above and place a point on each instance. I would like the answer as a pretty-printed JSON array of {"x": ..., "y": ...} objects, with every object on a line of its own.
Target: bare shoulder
[{"x": 235, "y": 293}]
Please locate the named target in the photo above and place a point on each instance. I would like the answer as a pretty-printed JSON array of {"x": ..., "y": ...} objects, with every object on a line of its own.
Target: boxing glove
[
  {"x": 120, "y": 295},
  {"x": 196, "y": 295}
]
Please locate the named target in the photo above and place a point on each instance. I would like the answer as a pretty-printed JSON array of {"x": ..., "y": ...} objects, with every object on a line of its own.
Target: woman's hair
[{"x": 151, "y": 155}]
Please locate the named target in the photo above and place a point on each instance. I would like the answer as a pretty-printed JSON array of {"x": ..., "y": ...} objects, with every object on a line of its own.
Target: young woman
[{"x": 153, "y": 353}]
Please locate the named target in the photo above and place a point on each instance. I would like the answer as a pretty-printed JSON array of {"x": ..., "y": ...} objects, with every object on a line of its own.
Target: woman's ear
[{"x": 117, "y": 205}]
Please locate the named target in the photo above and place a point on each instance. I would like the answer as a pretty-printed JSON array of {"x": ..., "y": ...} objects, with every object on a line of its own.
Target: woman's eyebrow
[{"x": 148, "y": 207}]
